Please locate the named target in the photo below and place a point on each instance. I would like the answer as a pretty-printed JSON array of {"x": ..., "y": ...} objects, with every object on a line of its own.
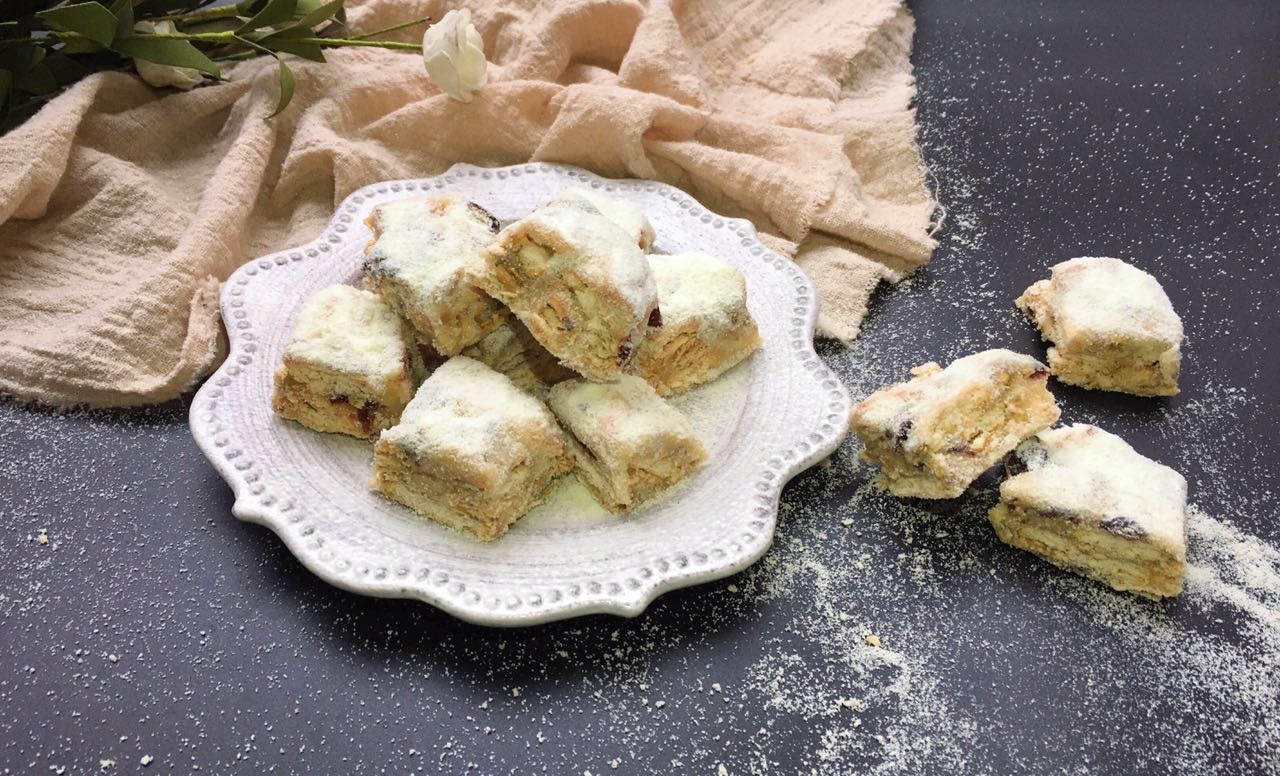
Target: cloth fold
[{"x": 121, "y": 206}]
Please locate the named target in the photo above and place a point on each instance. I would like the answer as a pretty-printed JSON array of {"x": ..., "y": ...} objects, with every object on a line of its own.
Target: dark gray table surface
[{"x": 155, "y": 624}]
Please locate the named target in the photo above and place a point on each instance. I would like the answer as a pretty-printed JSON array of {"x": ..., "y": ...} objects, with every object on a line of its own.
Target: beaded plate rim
[{"x": 633, "y": 589}]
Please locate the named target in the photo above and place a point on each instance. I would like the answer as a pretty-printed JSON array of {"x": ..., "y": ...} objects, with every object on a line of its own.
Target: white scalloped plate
[{"x": 768, "y": 419}]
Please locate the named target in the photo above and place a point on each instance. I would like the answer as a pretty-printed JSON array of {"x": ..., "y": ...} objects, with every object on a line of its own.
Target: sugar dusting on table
[{"x": 773, "y": 670}]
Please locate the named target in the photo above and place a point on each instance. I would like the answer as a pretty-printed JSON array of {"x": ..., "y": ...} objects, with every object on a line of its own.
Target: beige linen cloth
[{"x": 122, "y": 207}]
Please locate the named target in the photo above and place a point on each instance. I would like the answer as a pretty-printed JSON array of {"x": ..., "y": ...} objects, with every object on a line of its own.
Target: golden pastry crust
[
  {"x": 346, "y": 369},
  {"x": 1086, "y": 501},
  {"x": 579, "y": 284},
  {"x": 420, "y": 262},
  {"x": 1111, "y": 324},
  {"x": 512, "y": 350},
  {"x": 471, "y": 451},
  {"x": 706, "y": 327},
  {"x": 629, "y": 443},
  {"x": 935, "y": 434}
]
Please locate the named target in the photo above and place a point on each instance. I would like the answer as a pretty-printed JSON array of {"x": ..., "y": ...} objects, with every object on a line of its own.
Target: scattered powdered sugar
[{"x": 233, "y": 658}]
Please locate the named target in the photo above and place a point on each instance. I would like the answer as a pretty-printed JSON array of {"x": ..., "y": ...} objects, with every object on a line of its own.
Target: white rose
[
  {"x": 454, "y": 55},
  {"x": 164, "y": 75}
]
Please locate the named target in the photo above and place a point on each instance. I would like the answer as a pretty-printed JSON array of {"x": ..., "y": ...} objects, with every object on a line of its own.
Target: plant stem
[
  {"x": 202, "y": 15},
  {"x": 394, "y": 45},
  {"x": 393, "y": 28},
  {"x": 230, "y": 37}
]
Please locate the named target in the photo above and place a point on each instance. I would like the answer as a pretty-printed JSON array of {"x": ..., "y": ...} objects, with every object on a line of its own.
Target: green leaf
[
  {"x": 38, "y": 80},
  {"x": 296, "y": 47},
  {"x": 213, "y": 25},
  {"x": 92, "y": 20},
  {"x": 20, "y": 56},
  {"x": 79, "y": 46},
  {"x": 123, "y": 10},
  {"x": 286, "y": 88},
  {"x": 149, "y": 9},
  {"x": 65, "y": 69},
  {"x": 166, "y": 51},
  {"x": 321, "y": 13},
  {"x": 274, "y": 12}
]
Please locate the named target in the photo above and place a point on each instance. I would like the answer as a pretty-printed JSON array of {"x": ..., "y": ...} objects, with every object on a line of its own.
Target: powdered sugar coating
[
  {"x": 468, "y": 410},
  {"x": 349, "y": 330},
  {"x": 627, "y": 412},
  {"x": 603, "y": 251},
  {"x": 1112, "y": 299},
  {"x": 696, "y": 285},
  {"x": 429, "y": 244},
  {"x": 1095, "y": 477},
  {"x": 626, "y": 215}
]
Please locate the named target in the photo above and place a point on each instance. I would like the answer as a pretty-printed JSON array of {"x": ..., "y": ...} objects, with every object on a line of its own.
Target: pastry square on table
[
  {"x": 935, "y": 434},
  {"x": 578, "y": 282},
  {"x": 1083, "y": 499},
  {"x": 1111, "y": 324},
  {"x": 346, "y": 368},
  {"x": 630, "y": 444},
  {"x": 512, "y": 350},
  {"x": 626, "y": 215},
  {"x": 471, "y": 451},
  {"x": 706, "y": 327},
  {"x": 419, "y": 262}
]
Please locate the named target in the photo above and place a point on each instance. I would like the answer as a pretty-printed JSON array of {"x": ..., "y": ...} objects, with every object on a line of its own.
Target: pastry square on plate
[
  {"x": 578, "y": 282},
  {"x": 706, "y": 328},
  {"x": 630, "y": 444},
  {"x": 346, "y": 368},
  {"x": 935, "y": 434},
  {"x": 471, "y": 451},
  {"x": 512, "y": 350},
  {"x": 419, "y": 262},
  {"x": 626, "y": 215},
  {"x": 1083, "y": 499},
  {"x": 1111, "y": 324}
]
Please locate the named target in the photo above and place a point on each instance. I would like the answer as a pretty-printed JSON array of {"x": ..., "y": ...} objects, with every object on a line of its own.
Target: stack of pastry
[
  {"x": 489, "y": 362},
  {"x": 1077, "y": 496}
]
